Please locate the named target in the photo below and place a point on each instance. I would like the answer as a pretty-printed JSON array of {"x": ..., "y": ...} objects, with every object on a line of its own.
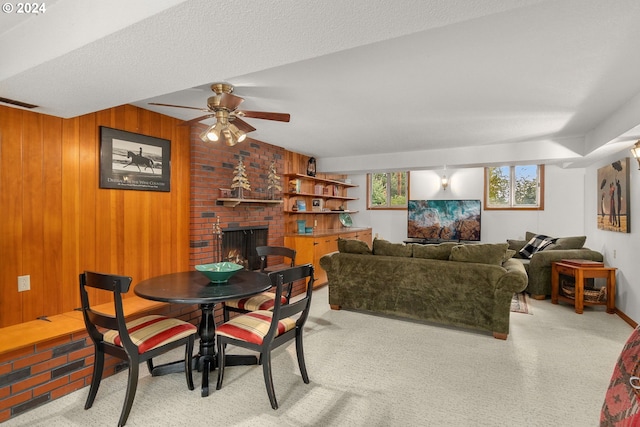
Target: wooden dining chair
[
  {"x": 264, "y": 330},
  {"x": 264, "y": 301},
  {"x": 137, "y": 341}
]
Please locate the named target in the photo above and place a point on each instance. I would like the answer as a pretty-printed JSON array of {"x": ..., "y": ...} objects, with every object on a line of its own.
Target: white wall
[
  {"x": 625, "y": 245},
  {"x": 563, "y": 214}
]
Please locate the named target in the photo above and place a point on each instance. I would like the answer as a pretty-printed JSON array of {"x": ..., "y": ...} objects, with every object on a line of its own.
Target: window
[
  {"x": 387, "y": 190},
  {"x": 514, "y": 187}
]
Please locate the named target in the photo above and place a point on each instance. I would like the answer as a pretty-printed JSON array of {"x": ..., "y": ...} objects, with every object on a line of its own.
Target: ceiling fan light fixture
[
  {"x": 237, "y": 133},
  {"x": 216, "y": 131},
  {"x": 204, "y": 135},
  {"x": 635, "y": 150},
  {"x": 229, "y": 137}
]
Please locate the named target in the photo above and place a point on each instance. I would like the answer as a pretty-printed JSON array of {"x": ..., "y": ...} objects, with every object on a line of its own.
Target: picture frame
[
  {"x": 132, "y": 161},
  {"x": 613, "y": 212},
  {"x": 317, "y": 205}
]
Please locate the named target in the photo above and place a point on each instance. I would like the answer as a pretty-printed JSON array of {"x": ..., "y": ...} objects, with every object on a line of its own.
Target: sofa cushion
[
  {"x": 509, "y": 253},
  {"x": 384, "y": 247},
  {"x": 353, "y": 246},
  {"x": 440, "y": 251},
  {"x": 537, "y": 243},
  {"x": 484, "y": 253},
  {"x": 575, "y": 242}
]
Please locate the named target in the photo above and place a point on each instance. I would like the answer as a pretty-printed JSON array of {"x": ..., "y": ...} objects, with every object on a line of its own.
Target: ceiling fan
[{"x": 224, "y": 107}]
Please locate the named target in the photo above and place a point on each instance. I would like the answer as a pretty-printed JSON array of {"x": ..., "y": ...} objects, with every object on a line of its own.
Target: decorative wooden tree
[
  {"x": 273, "y": 181},
  {"x": 240, "y": 181}
]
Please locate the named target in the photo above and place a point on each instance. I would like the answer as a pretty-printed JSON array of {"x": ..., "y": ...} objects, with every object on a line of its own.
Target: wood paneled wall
[{"x": 55, "y": 221}]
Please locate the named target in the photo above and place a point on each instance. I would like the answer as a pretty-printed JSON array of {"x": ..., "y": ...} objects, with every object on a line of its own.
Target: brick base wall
[{"x": 35, "y": 375}]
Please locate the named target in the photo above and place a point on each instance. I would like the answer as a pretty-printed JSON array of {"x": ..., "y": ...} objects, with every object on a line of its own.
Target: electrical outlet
[
  {"x": 614, "y": 254},
  {"x": 24, "y": 283}
]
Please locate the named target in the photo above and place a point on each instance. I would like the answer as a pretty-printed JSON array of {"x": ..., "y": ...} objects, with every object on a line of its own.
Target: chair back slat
[
  {"x": 280, "y": 311},
  {"x": 117, "y": 285},
  {"x": 265, "y": 251},
  {"x": 108, "y": 282}
]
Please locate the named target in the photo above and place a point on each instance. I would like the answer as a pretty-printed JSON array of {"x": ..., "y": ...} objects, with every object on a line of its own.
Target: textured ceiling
[{"x": 369, "y": 84}]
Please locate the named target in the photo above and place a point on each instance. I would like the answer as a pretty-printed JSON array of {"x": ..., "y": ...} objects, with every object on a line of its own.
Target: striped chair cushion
[
  {"x": 152, "y": 331},
  {"x": 263, "y": 301},
  {"x": 252, "y": 327}
]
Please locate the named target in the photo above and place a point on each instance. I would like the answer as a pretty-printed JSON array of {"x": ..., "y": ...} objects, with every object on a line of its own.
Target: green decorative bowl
[{"x": 219, "y": 272}]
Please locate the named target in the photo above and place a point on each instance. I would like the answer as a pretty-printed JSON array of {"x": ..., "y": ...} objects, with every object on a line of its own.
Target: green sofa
[
  {"x": 462, "y": 285},
  {"x": 538, "y": 267}
]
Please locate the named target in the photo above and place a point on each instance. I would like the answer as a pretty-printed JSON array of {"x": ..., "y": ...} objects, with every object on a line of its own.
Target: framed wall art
[
  {"x": 613, "y": 197},
  {"x": 131, "y": 161},
  {"x": 317, "y": 205}
]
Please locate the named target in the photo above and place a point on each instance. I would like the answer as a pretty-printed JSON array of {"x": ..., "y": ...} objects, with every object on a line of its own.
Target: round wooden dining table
[{"x": 192, "y": 287}]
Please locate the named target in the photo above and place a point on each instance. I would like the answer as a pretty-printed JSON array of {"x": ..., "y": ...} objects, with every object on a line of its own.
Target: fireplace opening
[{"x": 239, "y": 245}]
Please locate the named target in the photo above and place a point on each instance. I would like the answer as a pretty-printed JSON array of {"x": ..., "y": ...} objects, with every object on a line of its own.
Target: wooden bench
[
  {"x": 40, "y": 330},
  {"x": 42, "y": 360}
]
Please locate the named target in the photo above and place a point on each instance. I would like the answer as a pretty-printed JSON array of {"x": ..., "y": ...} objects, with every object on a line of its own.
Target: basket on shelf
[{"x": 590, "y": 294}]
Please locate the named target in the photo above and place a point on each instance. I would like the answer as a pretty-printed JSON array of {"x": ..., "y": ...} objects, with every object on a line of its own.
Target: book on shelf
[
  {"x": 301, "y": 205},
  {"x": 294, "y": 186}
]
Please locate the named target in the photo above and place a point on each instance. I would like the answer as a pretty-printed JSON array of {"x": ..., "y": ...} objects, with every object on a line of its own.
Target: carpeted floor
[
  {"x": 519, "y": 303},
  {"x": 370, "y": 371}
]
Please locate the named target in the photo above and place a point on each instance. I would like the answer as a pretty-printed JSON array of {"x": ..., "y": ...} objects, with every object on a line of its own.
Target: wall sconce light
[
  {"x": 445, "y": 182},
  {"x": 636, "y": 152}
]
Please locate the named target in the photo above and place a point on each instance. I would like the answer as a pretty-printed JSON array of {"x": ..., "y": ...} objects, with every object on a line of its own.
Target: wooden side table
[{"x": 580, "y": 272}]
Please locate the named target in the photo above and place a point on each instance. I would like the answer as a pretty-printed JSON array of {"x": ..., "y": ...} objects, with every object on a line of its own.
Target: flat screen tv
[{"x": 444, "y": 220}]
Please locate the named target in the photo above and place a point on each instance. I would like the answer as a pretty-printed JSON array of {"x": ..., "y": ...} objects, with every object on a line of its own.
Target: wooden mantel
[{"x": 232, "y": 203}]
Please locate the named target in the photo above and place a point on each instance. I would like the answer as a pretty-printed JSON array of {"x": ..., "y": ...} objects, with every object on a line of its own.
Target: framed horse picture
[{"x": 131, "y": 161}]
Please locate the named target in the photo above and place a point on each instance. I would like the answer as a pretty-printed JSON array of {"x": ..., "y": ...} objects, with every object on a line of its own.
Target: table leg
[
  {"x": 611, "y": 292},
  {"x": 579, "y": 283},
  {"x": 555, "y": 286},
  {"x": 206, "y": 357}
]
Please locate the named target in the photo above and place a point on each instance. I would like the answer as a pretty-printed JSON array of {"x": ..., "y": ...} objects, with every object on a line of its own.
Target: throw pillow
[
  {"x": 384, "y": 247},
  {"x": 516, "y": 245},
  {"x": 353, "y": 246},
  {"x": 537, "y": 243},
  {"x": 440, "y": 251},
  {"x": 621, "y": 405},
  {"x": 576, "y": 242},
  {"x": 484, "y": 253}
]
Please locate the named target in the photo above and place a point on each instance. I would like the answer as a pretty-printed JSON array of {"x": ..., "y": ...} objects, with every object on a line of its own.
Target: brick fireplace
[{"x": 212, "y": 168}]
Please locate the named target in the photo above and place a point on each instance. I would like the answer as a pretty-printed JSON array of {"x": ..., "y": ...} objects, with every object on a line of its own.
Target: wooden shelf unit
[
  {"x": 326, "y": 223},
  {"x": 331, "y": 190}
]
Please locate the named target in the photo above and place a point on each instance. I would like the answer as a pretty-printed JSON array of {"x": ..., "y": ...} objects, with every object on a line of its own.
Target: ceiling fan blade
[
  {"x": 178, "y": 106},
  {"x": 242, "y": 125},
  {"x": 280, "y": 117},
  {"x": 197, "y": 119},
  {"x": 229, "y": 101}
]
